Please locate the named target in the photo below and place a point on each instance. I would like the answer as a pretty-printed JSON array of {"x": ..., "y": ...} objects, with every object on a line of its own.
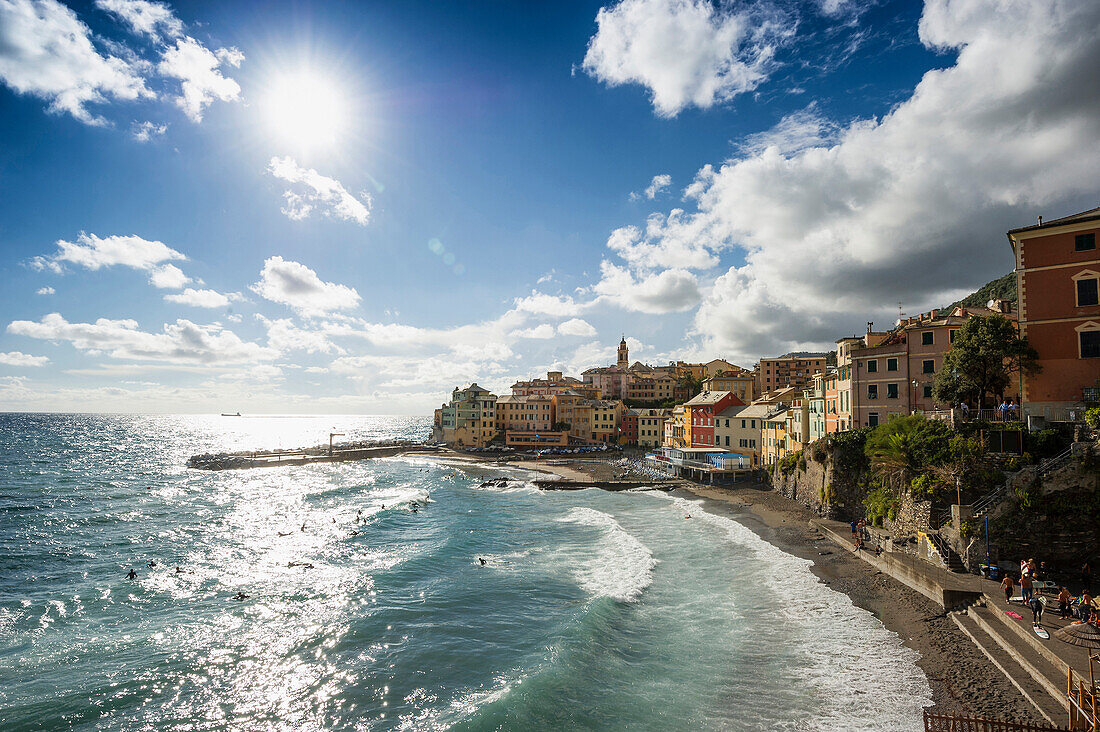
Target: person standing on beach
[
  {"x": 1063, "y": 604},
  {"x": 1007, "y": 585},
  {"x": 1025, "y": 587},
  {"x": 1036, "y": 606}
]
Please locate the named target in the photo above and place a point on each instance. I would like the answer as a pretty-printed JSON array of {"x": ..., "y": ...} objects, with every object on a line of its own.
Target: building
[
  {"x": 469, "y": 419},
  {"x": 673, "y": 436},
  {"x": 554, "y": 383},
  {"x": 651, "y": 426},
  {"x": 896, "y": 376},
  {"x": 606, "y": 421},
  {"x": 774, "y": 435},
  {"x": 530, "y": 413},
  {"x": 628, "y": 429},
  {"x": 638, "y": 382},
  {"x": 701, "y": 411},
  {"x": 815, "y": 402},
  {"x": 790, "y": 369},
  {"x": 1057, "y": 275},
  {"x": 740, "y": 382}
]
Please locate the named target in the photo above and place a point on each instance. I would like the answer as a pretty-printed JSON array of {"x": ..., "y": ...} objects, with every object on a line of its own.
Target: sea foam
[
  {"x": 865, "y": 678},
  {"x": 620, "y": 567}
]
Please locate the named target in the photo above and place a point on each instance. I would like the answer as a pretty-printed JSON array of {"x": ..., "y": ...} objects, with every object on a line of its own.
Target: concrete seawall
[
  {"x": 240, "y": 461},
  {"x": 940, "y": 586}
]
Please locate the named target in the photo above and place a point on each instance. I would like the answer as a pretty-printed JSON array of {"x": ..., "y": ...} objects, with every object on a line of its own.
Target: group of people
[
  {"x": 1083, "y": 607},
  {"x": 1005, "y": 411}
]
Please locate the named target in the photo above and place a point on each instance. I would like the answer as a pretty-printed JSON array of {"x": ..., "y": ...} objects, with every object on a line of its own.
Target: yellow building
[
  {"x": 469, "y": 419},
  {"x": 741, "y": 383},
  {"x": 651, "y": 426},
  {"x": 775, "y": 436}
]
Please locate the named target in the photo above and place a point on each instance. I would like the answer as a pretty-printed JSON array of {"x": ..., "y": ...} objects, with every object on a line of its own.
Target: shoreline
[{"x": 962, "y": 679}]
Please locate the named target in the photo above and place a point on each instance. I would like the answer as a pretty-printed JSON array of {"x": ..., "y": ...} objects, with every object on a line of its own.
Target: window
[
  {"x": 927, "y": 391},
  {"x": 927, "y": 338},
  {"x": 872, "y": 419},
  {"x": 872, "y": 391},
  {"x": 891, "y": 391},
  {"x": 743, "y": 424},
  {"x": 1090, "y": 344},
  {"x": 951, "y": 334},
  {"x": 929, "y": 366},
  {"x": 727, "y": 440},
  {"x": 872, "y": 366},
  {"x": 1084, "y": 242},
  {"x": 1086, "y": 293},
  {"x": 891, "y": 364},
  {"x": 753, "y": 424}
]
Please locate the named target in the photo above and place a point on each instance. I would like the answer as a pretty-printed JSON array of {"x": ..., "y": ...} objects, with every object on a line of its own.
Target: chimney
[
  {"x": 1040, "y": 221},
  {"x": 870, "y": 325},
  {"x": 935, "y": 313}
]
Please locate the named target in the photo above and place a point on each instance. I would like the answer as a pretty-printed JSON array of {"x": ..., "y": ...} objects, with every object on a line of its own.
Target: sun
[{"x": 305, "y": 109}]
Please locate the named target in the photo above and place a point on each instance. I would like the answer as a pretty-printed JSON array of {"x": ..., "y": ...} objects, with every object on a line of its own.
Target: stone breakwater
[{"x": 361, "y": 450}]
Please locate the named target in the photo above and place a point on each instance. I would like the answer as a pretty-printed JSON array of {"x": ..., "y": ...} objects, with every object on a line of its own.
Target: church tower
[{"x": 624, "y": 354}]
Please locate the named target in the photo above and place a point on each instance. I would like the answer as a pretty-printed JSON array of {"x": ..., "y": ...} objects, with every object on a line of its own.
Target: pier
[{"x": 305, "y": 456}]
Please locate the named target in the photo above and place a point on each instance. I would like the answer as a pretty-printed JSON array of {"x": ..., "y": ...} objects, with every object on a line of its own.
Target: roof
[
  {"x": 732, "y": 411},
  {"x": 475, "y": 387},
  {"x": 755, "y": 410},
  {"x": 1093, "y": 214},
  {"x": 704, "y": 398}
]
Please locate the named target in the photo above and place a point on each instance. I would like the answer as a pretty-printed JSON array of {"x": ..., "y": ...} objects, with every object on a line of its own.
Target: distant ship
[{"x": 238, "y": 414}]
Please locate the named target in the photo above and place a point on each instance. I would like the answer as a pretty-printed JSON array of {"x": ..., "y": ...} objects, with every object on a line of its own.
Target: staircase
[
  {"x": 948, "y": 556},
  {"x": 1057, "y": 461}
]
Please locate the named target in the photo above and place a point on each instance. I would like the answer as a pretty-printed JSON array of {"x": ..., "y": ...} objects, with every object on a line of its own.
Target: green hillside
[{"x": 1002, "y": 288}]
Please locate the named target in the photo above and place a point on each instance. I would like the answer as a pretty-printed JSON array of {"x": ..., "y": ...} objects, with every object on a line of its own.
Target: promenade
[{"x": 1038, "y": 668}]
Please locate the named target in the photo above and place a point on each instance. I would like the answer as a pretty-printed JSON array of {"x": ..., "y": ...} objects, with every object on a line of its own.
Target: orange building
[{"x": 1057, "y": 275}]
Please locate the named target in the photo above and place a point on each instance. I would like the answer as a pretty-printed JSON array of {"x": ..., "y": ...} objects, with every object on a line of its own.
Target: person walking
[
  {"x": 1025, "y": 587},
  {"x": 1007, "y": 585},
  {"x": 1036, "y": 606}
]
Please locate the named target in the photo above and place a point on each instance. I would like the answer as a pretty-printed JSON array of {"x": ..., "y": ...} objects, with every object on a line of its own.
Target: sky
[{"x": 354, "y": 207}]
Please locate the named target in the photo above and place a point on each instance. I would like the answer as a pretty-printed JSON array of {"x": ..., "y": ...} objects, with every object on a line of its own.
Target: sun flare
[{"x": 306, "y": 110}]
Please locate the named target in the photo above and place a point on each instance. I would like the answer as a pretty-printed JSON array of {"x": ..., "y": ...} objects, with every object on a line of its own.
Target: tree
[
  {"x": 984, "y": 357},
  {"x": 690, "y": 384}
]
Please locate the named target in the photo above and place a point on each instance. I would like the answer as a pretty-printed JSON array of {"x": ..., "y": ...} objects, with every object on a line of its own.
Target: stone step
[
  {"x": 1008, "y": 664},
  {"x": 1034, "y": 663}
]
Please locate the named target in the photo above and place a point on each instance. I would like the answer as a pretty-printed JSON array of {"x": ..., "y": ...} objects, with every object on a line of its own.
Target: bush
[
  {"x": 970, "y": 528},
  {"x": 802, "y": 464},
  {"x": 880, "y": 503},
  {"x": 1092, "y": 418},
  {"x": 925, "y": 486},
  {"x": 1047, "y": 443}
]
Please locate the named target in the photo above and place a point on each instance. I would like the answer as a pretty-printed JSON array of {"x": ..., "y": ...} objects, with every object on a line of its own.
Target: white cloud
[
  {"x": 201, "y": 81},
  {"x": 93, "y": 252},
  {"x": 797, "y": 131},
  {"x": 669, "y": 291},
  {"x": 47, "y": 52},
  {"x": 539, "y": 303},
  {"x": 658, "y": 184},
  {"x": 577, "y": 327},
  {"x": 909, "y": 207},
  {"x": 146, "y": 131},
  {"x": 45, "y": 291},
  {"x": 203, "y": 298},
  {"x": 543, "y": 331},
  {"x": 686, "y": 52},
  {"x": 317, "y": 192},
  {"x": 144, "y": 18},
  {"x": 297, "y": 286},
  {"x": 284, "y": 336},
  {"x": 168, "y": 277},
  {"x": 182, "y": 341},
  {"x": 16, "y": 358}
]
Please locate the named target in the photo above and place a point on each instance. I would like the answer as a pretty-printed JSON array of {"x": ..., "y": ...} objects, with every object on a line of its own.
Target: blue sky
[{"x": 355, "y": 206}]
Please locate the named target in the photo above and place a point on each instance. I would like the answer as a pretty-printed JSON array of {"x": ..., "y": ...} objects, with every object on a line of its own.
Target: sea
[{"x": 315, "y": 598}]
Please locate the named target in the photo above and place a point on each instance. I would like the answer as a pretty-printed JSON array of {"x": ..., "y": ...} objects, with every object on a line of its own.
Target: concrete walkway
[{"x": 1038, "y": 668}]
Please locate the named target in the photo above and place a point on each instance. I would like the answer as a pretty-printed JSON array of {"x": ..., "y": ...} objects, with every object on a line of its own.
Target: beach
[{"x": 962, "y": 679}]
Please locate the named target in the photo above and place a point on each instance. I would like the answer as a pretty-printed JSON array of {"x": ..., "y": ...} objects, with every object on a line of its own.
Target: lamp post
[{"x": 330, "y": 436}]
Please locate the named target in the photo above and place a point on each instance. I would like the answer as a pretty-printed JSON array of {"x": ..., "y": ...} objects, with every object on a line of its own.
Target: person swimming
[
  {"x": 303, "y": 526},
  {"x": 179, "y": 570},
  {"x": 132, "y": 574},
  {"x": 241, "y": 596},
  {"x": 482, "y": 560},
  {"x": 152, "y": 563}
]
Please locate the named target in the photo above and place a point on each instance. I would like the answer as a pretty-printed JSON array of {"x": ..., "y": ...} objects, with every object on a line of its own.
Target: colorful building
[
  {"x": 651, "y": 426},
  {"x": 740, "y": 382},
  {"x": 790, "y": 369},
  {"x": 469, "y": 419},
  {"x": 701, "y": 411},
  {"x": 1058, "y": 289}
]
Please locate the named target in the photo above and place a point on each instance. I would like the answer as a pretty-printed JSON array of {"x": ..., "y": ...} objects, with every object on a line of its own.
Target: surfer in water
[
  {"x": 482, "y": 561},
  {"x": 132, "y": 574},
  {"x": 241, "y": 596}
]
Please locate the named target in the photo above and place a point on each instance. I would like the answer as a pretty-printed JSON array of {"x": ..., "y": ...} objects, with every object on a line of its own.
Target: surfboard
[{"x": 1041, "y": 632}]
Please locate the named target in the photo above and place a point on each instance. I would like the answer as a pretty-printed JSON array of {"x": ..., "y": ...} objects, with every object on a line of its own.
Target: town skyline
[{"x": 207, "y": 208}]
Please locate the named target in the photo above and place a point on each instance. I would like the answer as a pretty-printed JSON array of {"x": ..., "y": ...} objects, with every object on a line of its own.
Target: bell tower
[{"x": 624, "y": 354}]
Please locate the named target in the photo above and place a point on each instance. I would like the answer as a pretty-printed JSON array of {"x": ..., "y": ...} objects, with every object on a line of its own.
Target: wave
[
  {"x": 864, "y": 676},
  {"x": 620, "y": 567}
]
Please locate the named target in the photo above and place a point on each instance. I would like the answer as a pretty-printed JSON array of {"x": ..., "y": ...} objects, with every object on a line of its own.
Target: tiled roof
[{"x": 1091, "y": 214}]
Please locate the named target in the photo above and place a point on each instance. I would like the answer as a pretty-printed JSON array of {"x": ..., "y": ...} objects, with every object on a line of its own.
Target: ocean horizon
[{"x": 397, "y": 593}]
